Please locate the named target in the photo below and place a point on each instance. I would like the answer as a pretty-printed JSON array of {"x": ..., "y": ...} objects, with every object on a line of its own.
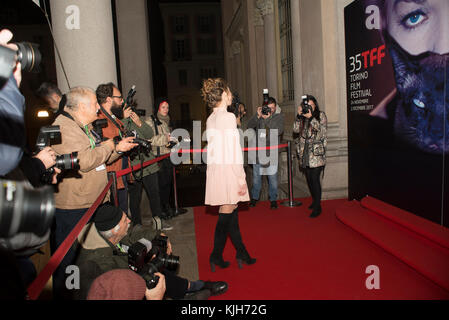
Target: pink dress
[{"x": 225, "y": 174}]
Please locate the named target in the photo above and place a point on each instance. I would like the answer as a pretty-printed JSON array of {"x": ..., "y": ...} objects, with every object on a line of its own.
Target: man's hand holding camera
[
  {"x": 129, "y": 113},
  {"x": 157, "y": 293},
  {"x": 262, "y": 115},
  {"x": 48, "y": 157},
  {"x": 124, "y": 145}
]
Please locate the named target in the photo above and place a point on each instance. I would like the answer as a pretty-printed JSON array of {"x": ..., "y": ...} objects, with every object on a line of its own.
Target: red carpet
[
  {"x": 425, "y": 256},
  {"x": 303, "y": 258},
  {"x": 421, "y": 226}
]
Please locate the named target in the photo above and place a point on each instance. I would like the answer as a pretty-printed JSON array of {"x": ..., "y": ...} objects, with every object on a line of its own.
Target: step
[
  {"x": 426, "y": 228},
  {"x": 421, "y": 254}
]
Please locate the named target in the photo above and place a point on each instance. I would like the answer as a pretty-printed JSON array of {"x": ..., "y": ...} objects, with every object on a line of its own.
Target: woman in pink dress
[{"x": 225, "y": 177}]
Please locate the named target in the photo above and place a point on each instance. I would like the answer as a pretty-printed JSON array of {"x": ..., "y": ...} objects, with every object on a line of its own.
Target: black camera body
[
  {"x": 141, "y": 261},
  {"x": 98, "y": 126},
  {"x": 306, "y": 106},
  {"x": 129, "y": 101},
  {"x": 266, "y": 110},
  {"x": 63, "y": 162}
]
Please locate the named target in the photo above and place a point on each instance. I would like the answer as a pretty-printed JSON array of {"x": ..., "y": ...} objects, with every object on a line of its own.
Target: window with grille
[
  {"x": 181, "y": 49},
  {"x": 285, "y": 28}
]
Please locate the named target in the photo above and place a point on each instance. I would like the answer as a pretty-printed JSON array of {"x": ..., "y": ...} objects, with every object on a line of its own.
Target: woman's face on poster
[{"x": 419, "y": 26}]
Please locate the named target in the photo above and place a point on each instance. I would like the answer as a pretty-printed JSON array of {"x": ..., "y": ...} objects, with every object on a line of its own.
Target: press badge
[{"x": 101, "y": 168}]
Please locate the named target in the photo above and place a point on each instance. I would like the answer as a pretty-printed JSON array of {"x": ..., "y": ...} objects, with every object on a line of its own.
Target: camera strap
[
  {"x": 85, "y": 129},
  {"x": 156, "y": 122},
  {"x": 120, "y": 127}
]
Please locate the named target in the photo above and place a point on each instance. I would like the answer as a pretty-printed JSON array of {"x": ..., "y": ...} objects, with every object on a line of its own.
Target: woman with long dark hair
[
  {"x": 225, "y": 177},
  {"x": 311, "y": 124}
]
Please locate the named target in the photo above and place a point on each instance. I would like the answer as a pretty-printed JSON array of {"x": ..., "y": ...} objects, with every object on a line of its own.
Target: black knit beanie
[{"x": 107, "y": 217}]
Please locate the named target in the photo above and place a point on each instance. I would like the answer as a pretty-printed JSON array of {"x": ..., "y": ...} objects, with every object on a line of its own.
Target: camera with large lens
[
  {"x": 141, "y": 142},
  {"x": 24, "y": 209},
  {"x": 306, "y": 107},
  {"x": 27, "y": 54},
  {"x": 266, "y": 110},
  {"x": 70, "y": 161},
  {"x": 129, "y": 101},
  {"x": 148, "y": 257}
]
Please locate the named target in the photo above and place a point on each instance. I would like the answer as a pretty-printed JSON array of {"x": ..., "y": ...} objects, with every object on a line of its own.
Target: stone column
[
  {"x": 266, "y": 9},
  {"x": 134, "y": 51},
  {"x": 83, "y": 31},
  {"x": 296, "y": 44}
]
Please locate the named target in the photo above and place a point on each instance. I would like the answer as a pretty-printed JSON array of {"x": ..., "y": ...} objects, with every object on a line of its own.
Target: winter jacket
[
  {"x": 159, "y": 140},
  {"x": 79, "y": 189},
  {"x": 313, "y": 132},
  {"x": 12, "y": 126},
  {"x": 144, "y": 132},
  {"x": 262, "y": 128},
  {"x": 97, "y": 255}
]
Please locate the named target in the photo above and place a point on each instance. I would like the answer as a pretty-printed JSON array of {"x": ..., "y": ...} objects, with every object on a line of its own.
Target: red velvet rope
[{"x": 36, "y": 287}]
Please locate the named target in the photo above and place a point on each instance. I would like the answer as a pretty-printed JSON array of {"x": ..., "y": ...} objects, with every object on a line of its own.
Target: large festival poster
[{"x": 398, "y": 103}]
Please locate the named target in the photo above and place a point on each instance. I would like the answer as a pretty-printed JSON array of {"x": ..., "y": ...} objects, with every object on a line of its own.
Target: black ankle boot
[
  {"x": 316, "y": 212},
  {"x": 216, "y": 287},
  {"x": 221, "y": 233},
  {"x": 242, "y": 254}
]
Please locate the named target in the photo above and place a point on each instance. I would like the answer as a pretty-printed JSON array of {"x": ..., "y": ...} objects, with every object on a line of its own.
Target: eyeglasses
[{"x": 119, "y": 97}]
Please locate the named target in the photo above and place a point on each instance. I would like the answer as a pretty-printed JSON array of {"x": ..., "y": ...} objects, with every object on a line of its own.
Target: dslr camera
[
  {"x": 129, "y": 101},
  {"x": 145, "y": 144},
  {"x": 28, "y": 55},
  {"x": 266, "y": 110},
  {"x": 306, "y": 107},
  {"x": 148, "y": 257},
  {"x": 63, "y": 162}
]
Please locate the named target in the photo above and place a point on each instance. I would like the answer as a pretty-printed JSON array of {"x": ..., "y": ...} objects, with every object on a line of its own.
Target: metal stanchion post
[
  {"x": 114, "y": 198},
  {"x": 178, "y": 210},
  {"x": 290, "y": 202}
]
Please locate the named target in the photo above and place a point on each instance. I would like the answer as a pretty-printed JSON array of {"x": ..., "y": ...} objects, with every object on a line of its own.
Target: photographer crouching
[
  {"x": 78, "y": 190},
  {"x": 112, "y": 242}
]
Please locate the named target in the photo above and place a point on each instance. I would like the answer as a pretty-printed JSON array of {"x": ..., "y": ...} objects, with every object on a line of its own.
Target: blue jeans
[{"x": 272, "y": 174}]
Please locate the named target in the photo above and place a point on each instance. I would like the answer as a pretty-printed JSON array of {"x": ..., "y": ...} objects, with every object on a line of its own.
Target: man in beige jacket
[{"x": 78, "y": 190}]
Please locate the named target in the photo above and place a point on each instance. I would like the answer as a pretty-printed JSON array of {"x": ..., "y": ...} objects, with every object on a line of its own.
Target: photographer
[
  {"x": 311, "y": 124},
  {"x": 111, "y": 102},
  {"x": 12, "y": 108},
  {"x": 52, "y": 96},
  {"x": 106, "y": 243},
  {"x": 79, "y": 190},
  {"x": 265, "y": 122},
  {"x": 161, "y": 143},
  {"x": 147, "y": 177}
]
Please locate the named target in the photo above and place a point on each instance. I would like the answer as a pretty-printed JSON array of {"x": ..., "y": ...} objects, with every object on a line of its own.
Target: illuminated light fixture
[{"x": 43, "y": 114}]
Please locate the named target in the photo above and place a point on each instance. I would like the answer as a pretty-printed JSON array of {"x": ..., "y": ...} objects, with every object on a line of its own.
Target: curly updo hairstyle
[{"x": 212, "y": 91}]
